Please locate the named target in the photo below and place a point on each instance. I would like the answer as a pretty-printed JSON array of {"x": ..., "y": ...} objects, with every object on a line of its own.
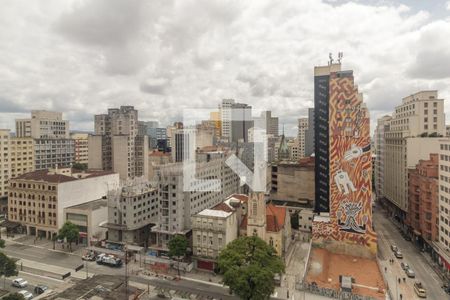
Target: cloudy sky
[{"x": 161, "y": 56}]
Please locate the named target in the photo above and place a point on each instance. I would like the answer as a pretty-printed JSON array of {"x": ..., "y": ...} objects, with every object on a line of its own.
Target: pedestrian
[
  {"x": 404, "y": 279},
  {"x": 385, "y": 269},
  {"x": 399, "y": 281},
  {"x": 401, "y": 296}
]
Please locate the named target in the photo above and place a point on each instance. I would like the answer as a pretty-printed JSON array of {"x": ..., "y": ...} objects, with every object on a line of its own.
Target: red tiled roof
[
  {"x": 44, "y": 175},
  {"x": 241, "y": 197},
  {"x": 275, "y": 217},
  {"x": 223, "y": 207}
]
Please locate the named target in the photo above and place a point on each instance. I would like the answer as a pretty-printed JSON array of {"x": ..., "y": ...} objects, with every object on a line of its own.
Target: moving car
[
  {"x": 394, "y": 248},
  {"x": 404, "y": 266},
  {"x": 420, "y": 290},
  {"x": 398, "y": 254},
  {"x": 410, "y": 273},
  {"x": 40, "y": 289},
  {"x": 26, "y": 294},
  {"x": 109, "y": 260},
  {"x": 19, "y": 282}
]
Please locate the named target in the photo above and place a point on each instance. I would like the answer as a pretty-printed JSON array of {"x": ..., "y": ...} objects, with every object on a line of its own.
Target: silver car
[
  {"x": 26, "y": 295},
  {"x": 19, "y": 282}
]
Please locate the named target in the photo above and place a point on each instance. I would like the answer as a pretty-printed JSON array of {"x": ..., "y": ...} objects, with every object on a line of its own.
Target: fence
[{"x": 341, "y": 295}]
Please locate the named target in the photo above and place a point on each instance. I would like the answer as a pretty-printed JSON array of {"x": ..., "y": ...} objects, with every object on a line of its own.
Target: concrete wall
[
  {"x": 95, "y": 152},
  {"x": 81, "y": 191}
]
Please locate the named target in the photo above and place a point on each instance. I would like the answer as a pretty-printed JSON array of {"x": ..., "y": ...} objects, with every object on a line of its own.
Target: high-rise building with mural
[
  {"x": 342, "y": 232},
  {"x": 350, "y": 166}
]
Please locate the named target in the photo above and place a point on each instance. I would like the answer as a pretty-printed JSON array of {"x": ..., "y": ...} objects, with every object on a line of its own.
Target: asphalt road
[{"x": 388, "y": 234}]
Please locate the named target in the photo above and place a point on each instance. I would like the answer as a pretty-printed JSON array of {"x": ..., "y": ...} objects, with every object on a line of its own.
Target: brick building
[{"x": 423, "y": 201}]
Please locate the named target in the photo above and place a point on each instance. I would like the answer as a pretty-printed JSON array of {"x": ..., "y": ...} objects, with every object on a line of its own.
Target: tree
[
  {"x": 177, "y": 248},
  {"x": 70, "y": 232},
  {"x": 8, "y": 267},
  {"x": 249, "y": 265},
  {"x": 81, "y": 167},
  {"x": 15, "y": 296},
  {"x": 2, "y": 243}
]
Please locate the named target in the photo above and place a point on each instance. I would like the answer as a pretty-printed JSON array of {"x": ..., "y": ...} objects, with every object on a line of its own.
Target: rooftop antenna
[
  {"x": 340, "y": 56},
  {"x": 330, "y": 56}
]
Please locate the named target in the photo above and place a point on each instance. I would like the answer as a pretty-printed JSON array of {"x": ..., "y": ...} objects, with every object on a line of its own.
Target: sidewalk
[
  {"x": 43, "y": 244},
  {"x": 49, "y": 270}
]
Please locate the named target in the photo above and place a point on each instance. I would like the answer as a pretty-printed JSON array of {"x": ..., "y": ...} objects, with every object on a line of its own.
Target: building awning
[
  {"x": 134, "y": 248},
  {"x": 10, "y": 224}
]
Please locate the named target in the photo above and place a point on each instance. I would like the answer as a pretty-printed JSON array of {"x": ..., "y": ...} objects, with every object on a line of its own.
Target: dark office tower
[{"x": 321, "y": 135}]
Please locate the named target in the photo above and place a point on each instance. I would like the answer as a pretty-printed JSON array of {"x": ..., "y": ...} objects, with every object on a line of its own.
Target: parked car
[
  {"x": 19, "y": 282},
  {"x": 420, "y": 290},
  {"x": 26, "y": 294},
  {"x": 398, "y": 254},
  {"x": 109, "y": 260},
  {"x": 394, "y": 248},
  {"x": 404, "y": 266},
  {"x": 88, "y": 257},
  {"x": 410, "y": 273},
  {"x": 40, "y": 289}
]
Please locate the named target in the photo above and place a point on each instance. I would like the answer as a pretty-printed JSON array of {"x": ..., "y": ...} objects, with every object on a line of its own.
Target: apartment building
[
  {"x": 178, "y": 203},
  {"x": 5, "y": 162},
  {"x": 442, "y": 247},
  {"x": 16, "y": 158},
  {"x": 379, "y": 143},
  {"x": 412, "y": 134},
  {"x": 116, "y": 145},
  {"x": 132, "y": 211},
  {"x": 37, "y": 199},
  {"x": 301, "y": 136},
  {"x": 212, "y": 229},
  {"x": 43, "y": 125},
  {"x": 81, "y": 147},
  {"x": 423, "y": 201},
  {"x": 52, "y": 144}
]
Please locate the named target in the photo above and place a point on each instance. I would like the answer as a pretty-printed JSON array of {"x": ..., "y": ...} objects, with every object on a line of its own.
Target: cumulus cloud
[{"x": 82, "y": 57}]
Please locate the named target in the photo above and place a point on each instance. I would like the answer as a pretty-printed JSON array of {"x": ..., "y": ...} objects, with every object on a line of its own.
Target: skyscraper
[
  {"x": 309, "y": 133},
  {"x": 344, "y": 168},
  {"x": 301, "y": 136},
  {"x": 321, "y": 134}
]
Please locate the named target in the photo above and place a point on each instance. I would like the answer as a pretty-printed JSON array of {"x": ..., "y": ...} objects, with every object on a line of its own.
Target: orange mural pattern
[{"x": 350, "y": 168}]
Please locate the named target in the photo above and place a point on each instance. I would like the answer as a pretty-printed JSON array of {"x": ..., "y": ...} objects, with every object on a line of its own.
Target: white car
[
  {"x": 19, "y": 282},
  {"x": 26, "y": 294}
]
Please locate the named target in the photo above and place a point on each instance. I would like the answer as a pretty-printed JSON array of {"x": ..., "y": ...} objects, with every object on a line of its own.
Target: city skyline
[{"x": 66, "y": 57}]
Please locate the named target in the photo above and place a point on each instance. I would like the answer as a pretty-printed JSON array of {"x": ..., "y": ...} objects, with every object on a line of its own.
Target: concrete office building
[
  {"x": 52, "y": 153},
  {"x": 447, "y": 130},
  {"x": 43, "y": 125},
  {"x": 423, "y": 199},
  {"x": 379, "y": 143},
  {"x": 116, "y": 145},
  {"x": 37, "y": 199},
  {"x": 268, "y": 122},
  {"x": 81, "y": 143},
  {"x": 5, "y": 161},
  {"x": 132, "y": 211},
  {"x": 177, "y": 205},
  {"x": 225, "y": 117},
  {"x": 413, "y": 134},
  {"x": 301, "y": 136},
  {"x": 309, "y": 133},
  {"x": 236, "y": 119}
]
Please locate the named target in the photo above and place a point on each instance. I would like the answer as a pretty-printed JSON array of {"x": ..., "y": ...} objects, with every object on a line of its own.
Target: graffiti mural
[{"x": 350, "y": 167}]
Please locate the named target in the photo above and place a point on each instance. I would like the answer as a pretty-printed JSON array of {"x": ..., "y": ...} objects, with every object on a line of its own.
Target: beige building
[
  {"x": 5, "y": 161},
  {"x": 301, "y": 137},
  {"x": 81, "y": 147},
  {"x": 37, "y": 199},
  {"x": 413, "y": 134},
  {"x": 88, "y": 217},
  {"x": 379, "y": 142},
  {"x": 442, "y": 247},
  {"x": 43, "y": 125},
  {"x": 269, "y": 222},
  {"x": 16, "y": 158},
  {"x": 295, "y": 152},
  {"x": 213, "y": 229},
  {"x": 116, "y": 145}
]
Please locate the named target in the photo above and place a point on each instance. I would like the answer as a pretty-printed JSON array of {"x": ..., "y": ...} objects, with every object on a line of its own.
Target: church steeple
[{"x": 256, "y": 224}]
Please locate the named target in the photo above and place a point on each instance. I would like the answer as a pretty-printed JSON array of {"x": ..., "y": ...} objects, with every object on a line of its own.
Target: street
[{"x": 388, "y": 235}]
